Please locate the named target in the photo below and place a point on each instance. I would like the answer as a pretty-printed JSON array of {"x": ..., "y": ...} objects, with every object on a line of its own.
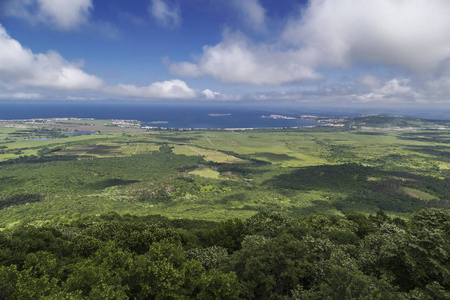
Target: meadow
[{"x": 63, "y": 169}]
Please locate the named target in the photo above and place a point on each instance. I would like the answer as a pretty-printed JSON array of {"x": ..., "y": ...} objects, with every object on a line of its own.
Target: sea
[{"x": 200, "y": 115}]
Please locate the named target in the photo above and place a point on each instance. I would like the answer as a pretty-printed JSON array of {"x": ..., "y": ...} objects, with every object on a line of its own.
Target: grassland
[
  {"x": 399, "y": 165},
  {"x": 206, "y": 172}
]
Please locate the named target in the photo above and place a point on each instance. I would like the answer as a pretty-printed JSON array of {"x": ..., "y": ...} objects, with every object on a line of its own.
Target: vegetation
[
  {"x": 216, "y": 175},
  {"x": 352, "y": 211},
  {"x": 266, "y": 256}
]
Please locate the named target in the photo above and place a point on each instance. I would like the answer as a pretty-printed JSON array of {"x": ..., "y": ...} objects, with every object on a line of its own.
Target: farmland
[{"x": 61, "y": 169}]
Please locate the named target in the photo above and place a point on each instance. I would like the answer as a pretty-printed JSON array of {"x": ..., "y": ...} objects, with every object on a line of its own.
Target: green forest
[
  {"x": 355, "y": 209},
  {"x": 266, "y": 256}
]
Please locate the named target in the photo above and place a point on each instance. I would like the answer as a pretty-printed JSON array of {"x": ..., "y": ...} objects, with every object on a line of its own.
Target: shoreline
[
  {"x": 231, "y": 128},
  {"x": 138, "y": 124},
  {"x": 363, "y": 122}
]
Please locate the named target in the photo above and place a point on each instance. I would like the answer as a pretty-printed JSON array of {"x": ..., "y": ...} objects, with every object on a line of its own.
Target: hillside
[{"x": 60, "y": 168}]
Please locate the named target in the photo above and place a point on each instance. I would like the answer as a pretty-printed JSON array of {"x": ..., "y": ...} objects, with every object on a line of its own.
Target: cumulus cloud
[
  {"x": 414, "y": 34},
  {"x": 62, "y": 14},
  {"x": 21, "y": 67},
  {"x": 238, "y": 60},
  {"x": 210, "y": 94},
  {"x": 174, "y": 89},
  {"x": 394, "y": 90},
  {"x": 165, "y": 14},
  {"x": 397, "y": 89},
  {"x": 252, "y": 12},
  {"x": 328, "y": 34}
]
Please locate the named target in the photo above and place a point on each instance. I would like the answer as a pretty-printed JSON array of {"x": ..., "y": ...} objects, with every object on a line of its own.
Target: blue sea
[{"x": 197, "y": 115}]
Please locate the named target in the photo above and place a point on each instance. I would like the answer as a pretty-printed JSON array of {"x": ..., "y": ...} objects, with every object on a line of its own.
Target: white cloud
[
  {"x": 62, "y": 14},
  {"x": 394, "y": 89},
  {"x": 411, "y": 34},
  {"x": 252, "y": 12},
  {"x": 414, "y": 34},
  {"x": 23, "y": 96},
  {"x": 75, "y": 98},
  {"x": 173, "y": 89},
  {"x": 238, "y": 60},
  {"x": 165, "y": 14},
  {"x": 210, "y": 94},
  {"x": 20, "y": 67}
]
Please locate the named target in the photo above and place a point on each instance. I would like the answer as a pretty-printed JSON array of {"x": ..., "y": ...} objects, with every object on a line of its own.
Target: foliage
[{"x": 129, "y": 257}]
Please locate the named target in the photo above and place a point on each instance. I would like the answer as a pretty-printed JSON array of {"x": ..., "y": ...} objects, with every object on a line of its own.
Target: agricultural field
[{"x": 65, "y": 168}]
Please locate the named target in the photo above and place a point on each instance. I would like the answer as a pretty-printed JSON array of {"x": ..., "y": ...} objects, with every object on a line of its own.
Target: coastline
[
  {"x": 136, "y": 124},
  {"x": 363, "y": 122}
]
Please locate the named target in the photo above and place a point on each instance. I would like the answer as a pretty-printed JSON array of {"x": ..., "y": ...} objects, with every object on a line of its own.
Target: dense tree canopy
[{"x": 266, "y": 256}]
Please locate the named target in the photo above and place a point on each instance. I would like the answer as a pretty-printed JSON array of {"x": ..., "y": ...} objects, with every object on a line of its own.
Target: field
[{"x": 63, "y": 168}]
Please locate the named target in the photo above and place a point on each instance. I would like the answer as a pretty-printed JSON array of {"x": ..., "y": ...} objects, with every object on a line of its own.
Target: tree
[
  {"x": 165, "y": 148},
  {"x": 269, "y": 268}
]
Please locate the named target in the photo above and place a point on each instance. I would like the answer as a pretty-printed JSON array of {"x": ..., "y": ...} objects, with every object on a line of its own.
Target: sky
[{"x": 321, "y": 52}]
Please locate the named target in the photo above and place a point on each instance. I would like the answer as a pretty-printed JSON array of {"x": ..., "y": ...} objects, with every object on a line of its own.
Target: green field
[
  {"x": 206, "y": 172},
  {"x": 369, "y": 164}
]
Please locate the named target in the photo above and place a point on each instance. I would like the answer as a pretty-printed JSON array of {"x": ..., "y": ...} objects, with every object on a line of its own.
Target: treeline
[
  {"x": 41, "y": 132},
  {"x": 267, "y": 256},
  {"x": 385, "y": 192},
  {"x": 438, "y": 136},
  {"x": 33, "y": 159}
]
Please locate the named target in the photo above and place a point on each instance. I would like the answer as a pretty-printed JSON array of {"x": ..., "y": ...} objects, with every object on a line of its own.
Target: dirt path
[
  {"x": 195, "y": 150},
  {"x": 209, "y": 141},
  {"x": 89, "y": 150},
  {"x": 137, "y": 147}
]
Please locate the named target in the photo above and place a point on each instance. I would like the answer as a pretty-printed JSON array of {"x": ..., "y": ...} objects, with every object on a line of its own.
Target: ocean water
[
  {"x": 158, "y": 115},
  {"x": 182, "y": 115}
]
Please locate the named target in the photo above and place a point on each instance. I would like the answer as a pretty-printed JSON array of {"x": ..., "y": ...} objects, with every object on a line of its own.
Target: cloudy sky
[{"x": 377, "y": 52}]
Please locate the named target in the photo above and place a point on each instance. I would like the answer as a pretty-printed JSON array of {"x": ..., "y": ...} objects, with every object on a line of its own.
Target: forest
[
  {"x": 266, "y": 256},
  {"x": 356, "y": 209}
]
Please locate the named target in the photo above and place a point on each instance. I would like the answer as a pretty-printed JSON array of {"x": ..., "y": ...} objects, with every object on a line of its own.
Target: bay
[{"x": 196, "y": 115}]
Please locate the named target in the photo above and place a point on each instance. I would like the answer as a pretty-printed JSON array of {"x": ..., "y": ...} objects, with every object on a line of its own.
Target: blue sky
[{"x": 320, "y": 52}]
